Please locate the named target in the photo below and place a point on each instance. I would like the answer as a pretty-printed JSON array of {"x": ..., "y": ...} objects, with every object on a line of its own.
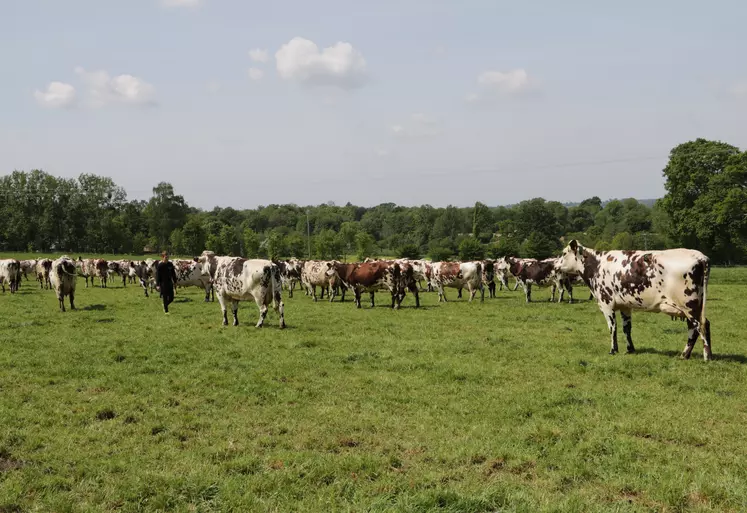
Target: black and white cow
[
  {"x": 672, "y": 281},
  {"x": 290, "y": 273},
  {"x": 43, "y": 269},
  {"x": 530, "y": 272},
  {"x": 238, "y": 279},
  {"x": 10, "y": 273}
]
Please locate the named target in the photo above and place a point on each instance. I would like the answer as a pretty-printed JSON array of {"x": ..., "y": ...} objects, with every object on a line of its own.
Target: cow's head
[
  {"x": 572, "y": 259},
  {"x": 330, "y": 269}
]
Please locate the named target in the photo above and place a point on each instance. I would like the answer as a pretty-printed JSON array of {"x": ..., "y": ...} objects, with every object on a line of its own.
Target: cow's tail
[{"x": 703, "y": 320}]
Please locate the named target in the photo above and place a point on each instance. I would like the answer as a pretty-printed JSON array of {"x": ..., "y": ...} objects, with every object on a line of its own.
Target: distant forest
[{"x": 705, "y": 208}]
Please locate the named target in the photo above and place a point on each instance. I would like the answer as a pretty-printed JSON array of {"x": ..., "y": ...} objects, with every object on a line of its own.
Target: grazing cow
[
  {"x": 190, "y": 273},
  {"x": 458, "y": 275},
  {"x": 314, "y": 274},
  {"x": 529, "y": 271},
  {"x": 10, "y": 273},
  {"x": 238, "y": 279},
  {"x": 290, "y": 272},
  {"x": 673, "y": 281},
  {"x": 43, "y": 268},
  {"x": 28, "y": 266},
  {"x": 368, "y": 277},
  {"x": 63, "y": 278}
]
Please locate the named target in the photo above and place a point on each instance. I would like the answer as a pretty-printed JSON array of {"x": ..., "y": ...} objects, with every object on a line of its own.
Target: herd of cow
[{"x": 673, "y": 281}]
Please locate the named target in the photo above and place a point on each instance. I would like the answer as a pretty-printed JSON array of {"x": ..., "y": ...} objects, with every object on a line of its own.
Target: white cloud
[
  {"x": 258, "y": 55},
  {"x": 57, "y": 94},
  {"x": 509, "y": 83},
  {"x": 256, "y": 74},
  {"x": 339, "y": 65},
  {"x": 418, "y": 125},
  {"x": 180, "y": 3},
  {"x": 213, "y": 86},
  {"x": 104, "y": 89}
]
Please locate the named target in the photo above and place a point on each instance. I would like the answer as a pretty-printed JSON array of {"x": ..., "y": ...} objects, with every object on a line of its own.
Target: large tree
[{"x": 706, "y": 200}]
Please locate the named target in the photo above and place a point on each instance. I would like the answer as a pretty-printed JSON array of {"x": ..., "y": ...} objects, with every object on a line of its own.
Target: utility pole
[{"x": 308, "y": 233}]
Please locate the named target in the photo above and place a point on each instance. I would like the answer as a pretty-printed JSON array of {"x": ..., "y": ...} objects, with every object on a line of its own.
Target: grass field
[{"x": 461, "y": 407}]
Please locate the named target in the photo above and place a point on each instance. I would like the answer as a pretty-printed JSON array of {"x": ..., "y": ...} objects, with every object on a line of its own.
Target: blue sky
[{"x": 411, "y": 102}]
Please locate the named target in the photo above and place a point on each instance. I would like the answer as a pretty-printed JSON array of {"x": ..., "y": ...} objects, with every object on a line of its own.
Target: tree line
[{"x": 705, "y": 208}]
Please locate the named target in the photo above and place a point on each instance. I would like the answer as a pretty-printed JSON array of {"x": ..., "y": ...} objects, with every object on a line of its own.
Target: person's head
[{"x": 165, "y": 256}]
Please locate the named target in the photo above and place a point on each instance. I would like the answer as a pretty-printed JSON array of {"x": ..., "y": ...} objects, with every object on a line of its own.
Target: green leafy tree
[
  {"x": 622, "y": 240},
  {"x": 328, "y": 245},
  {"x": 165, "y": 212},
  {"x": 706, "y": 200},
  {"x": 229, "y": 241},
  {"x": 505, "y": 246},
  {"x": 250, "y": 243},
  {"x": 471, "y": 249},
  {"x": 194, "y": 237},
  {"x": 296, "y": 245},
  {"x": 538, "y": 245},
  {"x": 177, "y": 242},
  {"x": 364, "y": 245},
  {"x": 411, "y": 251},
  {"x": 275, "y": 246}
]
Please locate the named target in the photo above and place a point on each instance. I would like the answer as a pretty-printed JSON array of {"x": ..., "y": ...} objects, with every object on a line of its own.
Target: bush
[
  {"x": 539, "y": 246},
  {"x": 471, "y": 249},
  {"x": 506, "y": 246},
  {"x": 409, "y": 251}
]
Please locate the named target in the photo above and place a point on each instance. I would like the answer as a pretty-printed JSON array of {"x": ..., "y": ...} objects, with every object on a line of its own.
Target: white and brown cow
[
  {"x": 530, "y": 272},
  {"x": 28, "y": 266},
  {"x": 290, "y": 272},
  {"x": 238, "y": 279},
  {"x": 141, "y": 271},
  {"x": 458, "y": 275},
  {"x": 91, "y": 268},
  {"x": 190, "y": 273},
  {"x": 369, "y": 277},
  {"x": 314, "y": 274},
  {"x": 672, "y": 281},
  {"x": 10, "y": 273},
  {"x": 119, "y": 268},
  {"x": 501, "y": 270},
  {"x": 63, "y": 278},
  {"x": 43, "y": 269}
]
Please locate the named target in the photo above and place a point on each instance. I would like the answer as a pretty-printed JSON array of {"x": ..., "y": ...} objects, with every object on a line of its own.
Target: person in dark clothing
[{"x": 165, "y": 280}]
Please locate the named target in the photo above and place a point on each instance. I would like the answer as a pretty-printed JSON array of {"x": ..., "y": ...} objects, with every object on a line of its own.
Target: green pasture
[{"x": 462, "y": 407}]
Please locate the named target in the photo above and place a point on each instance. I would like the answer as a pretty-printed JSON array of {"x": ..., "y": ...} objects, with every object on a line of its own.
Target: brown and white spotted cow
[
  {"x": 43, "y": 268},
  {"x": 10, "y": 273},
  {"x": 369, "y": 277},
  {"x": 290, "y": 272},
  {"x": 314, "y": 274},
  {"x": 142, "y": 272},
  {"x": 91, "y": 268},
  {"x": 500, "y": 268},
  {"x": 673, "y": 281},
  {"x": 238, "y": 279},
  {"x": 458, "y": 275},
  {"x": 190, "y": 273},
  {"x": 28, "y": 266},
  {"x": 63, "y": 278},
  {"x": 119, "y": 268},
  {"x": 530, "y": 272}
]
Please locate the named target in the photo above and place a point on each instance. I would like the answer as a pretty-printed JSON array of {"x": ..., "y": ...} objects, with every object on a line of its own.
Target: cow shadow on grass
[
  {"x": 184, "y": 300},
  {"x": 95, "y": 308},
  {"x": 697, "y": 352}
]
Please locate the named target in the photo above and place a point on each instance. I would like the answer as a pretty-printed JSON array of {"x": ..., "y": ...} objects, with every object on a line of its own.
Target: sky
[{"x": 245, "y": 103}]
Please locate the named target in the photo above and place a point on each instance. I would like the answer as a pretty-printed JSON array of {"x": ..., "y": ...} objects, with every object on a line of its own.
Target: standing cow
[
  {"x": 368, "y": 277},
  {"x": 672, "y": 281},
  {"x": 530, "y": 272},
  {"x": 63, "y": 277},
  {"x": 290, "y": 272},
  {"x": 458, "y": 275},
  {"x": 314, "y": 274},
  {"x": 28, "y": 266},
  {"x": 141, "y": 271},
  {"x": 43, "y": 270},
  {"x": 190, "y": 273},
  {"x": 10, "y": 273},
  {"x": 238, "y": 279}
]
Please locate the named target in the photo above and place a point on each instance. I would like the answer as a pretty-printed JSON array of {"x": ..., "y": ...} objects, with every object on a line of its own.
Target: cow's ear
[{"x": 573, "y": 245}]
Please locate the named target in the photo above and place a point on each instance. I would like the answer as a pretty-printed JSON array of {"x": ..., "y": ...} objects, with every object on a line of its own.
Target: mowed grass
[{"x": 461, "y": 407}]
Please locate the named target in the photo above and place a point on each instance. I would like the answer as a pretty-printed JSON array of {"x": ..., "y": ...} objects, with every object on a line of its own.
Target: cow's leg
[
  {"x": 482, "y": 293},
  {"x": 72, "y": 300},
  {"x": 262, "y": 313},
  {"x": 459, "y": 293},
  {"x": 591, "y": 295},
  {"x": 692, "y": 337},
  {"x": 627, "y": 329},
  {"x": 491, "y": 290},
  {"x": 277, "y": 305},
  {"x": 553, "y": 289},
  {"x": 313, "y": 292},
  {"x": 291, "y": 285},
  {"x": 528, "y": 292},
  {"x": 61, "y": 299},
  {"x": 222, "y": 303},
  {"x": 357, "y": 298},
  {"x": 516, "y": 285},
  {"x": 343, "y": 289},
  {"x": 235, "y": 310},
  {"x": 705, "y": 332},
  {"x": 415, "y": 292},
  {"x": 441, "y": 295},
  {"x": 373, "y": 304},
  {"x": 472, "y": 293},
  {"x": 569, "y": 288},
  {"x": 612, "y": 325}
]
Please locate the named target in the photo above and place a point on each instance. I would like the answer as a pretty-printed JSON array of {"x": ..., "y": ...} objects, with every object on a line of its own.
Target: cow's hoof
[
  {"x": 282, "y": 326},
  {"x": 630, "y": 351},
  {"x": 612, "y": 353},
  {"x": 258, "y": 326},
  {"x": 224, "y": 323},
  {"x": 235, "y": 323}
]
